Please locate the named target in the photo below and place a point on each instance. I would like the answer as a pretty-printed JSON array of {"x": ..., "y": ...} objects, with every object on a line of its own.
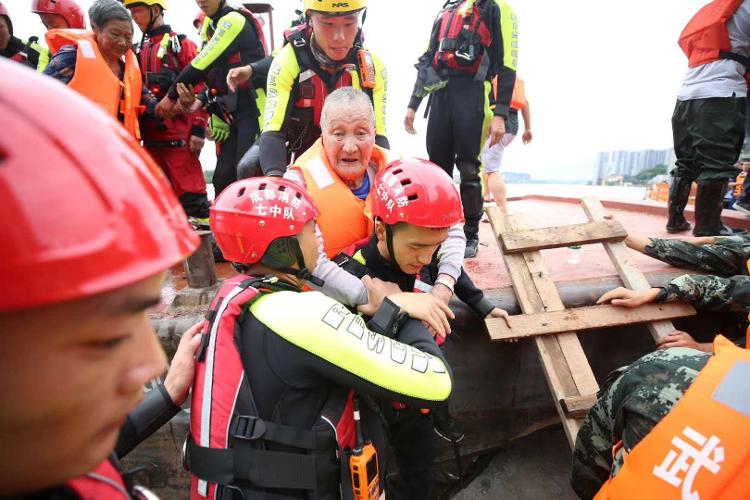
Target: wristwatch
[{"x": 388, "y": 319}]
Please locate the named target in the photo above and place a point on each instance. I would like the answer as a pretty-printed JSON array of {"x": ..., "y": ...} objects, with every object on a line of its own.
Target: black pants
[
  {"x": 243, "y": 132},
  {"x": 455, "y": 134},
  {"x": 413, "y": 440},
  {"x": 708, "y": 136}
]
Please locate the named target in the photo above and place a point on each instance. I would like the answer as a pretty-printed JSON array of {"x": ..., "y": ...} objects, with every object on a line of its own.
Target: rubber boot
[
  {"x": 679, "y": 192},
  {"x": 708, "y": 207}
]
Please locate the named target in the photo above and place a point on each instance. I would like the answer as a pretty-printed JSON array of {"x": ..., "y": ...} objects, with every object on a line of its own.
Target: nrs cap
[
  {"x": 68, "y": 9},
  {"x": 417, "y": 192},
  {"x": 133, "y": 3},
  {"x": 85, "y": 209},
  {"x": 250, "y": 214},
  {"x": 334, "y": 7}
]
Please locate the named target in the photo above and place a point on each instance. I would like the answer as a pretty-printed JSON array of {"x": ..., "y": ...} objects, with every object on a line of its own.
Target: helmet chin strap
[
  {"x": 389, "y": 244},
  {"x": 284, "y": 252},
  {"x": 149, "y": 26}
]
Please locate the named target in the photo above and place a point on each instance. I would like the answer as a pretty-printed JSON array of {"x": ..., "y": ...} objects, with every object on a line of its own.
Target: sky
[{"x": 601, "y": 75}]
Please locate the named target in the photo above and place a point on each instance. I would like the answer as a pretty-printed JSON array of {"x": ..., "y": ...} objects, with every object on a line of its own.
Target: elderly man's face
[{"x": 348, "y": 139}]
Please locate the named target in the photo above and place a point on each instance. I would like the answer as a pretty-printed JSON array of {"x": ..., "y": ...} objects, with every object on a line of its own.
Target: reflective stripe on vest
[
  {"x": 103, "y": 482},
  {"x": 344, "y": 218},
  {"x": 705, "y": 36},
  {"x": 701, "y": 449},
  {"x": 94, "y": 79}
]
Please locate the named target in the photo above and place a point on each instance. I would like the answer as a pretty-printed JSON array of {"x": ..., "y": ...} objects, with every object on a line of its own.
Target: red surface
[{"x": 646, "y": 218}]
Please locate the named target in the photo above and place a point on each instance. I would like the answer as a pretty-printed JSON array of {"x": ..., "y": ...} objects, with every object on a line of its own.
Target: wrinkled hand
[
  {"x": 166, "y": 108},
  {"x": 442, "y": 293},
  {"x": 182, "y": 369},
  {"x": 196, "y": 144},
  {"x": 527, "y": 136},
  {"x": 238, "y": 76},
  {"x": 409, "y": 120},
  {"x": 425, "y": 307},
  {"x": 497, "y": 130},
  {"x": 679, "y": 338},
  {"x": 377, "y": 290},
  {"x": 625, "y": 297},
  {"x": 218, "y": 129},
  {"x": 186, "y": 95}
]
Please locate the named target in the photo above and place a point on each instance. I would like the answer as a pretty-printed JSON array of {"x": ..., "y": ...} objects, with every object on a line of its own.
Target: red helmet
[
  {"x": 85, "y": 209},
  {"x": 68, "y": 9},
  {"x": 418, "y": 192},
  {"x": 251, "y": 213}
]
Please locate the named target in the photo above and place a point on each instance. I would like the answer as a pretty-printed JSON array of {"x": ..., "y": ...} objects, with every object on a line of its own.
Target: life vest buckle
[
  {"x": 247, "y": 427},
  {"x": 299, "y": 42}
]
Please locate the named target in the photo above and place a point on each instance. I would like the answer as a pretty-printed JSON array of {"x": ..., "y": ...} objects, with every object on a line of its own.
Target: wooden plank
[
  {"x": 565, "y": 366},
  {"x": 583, "y": 318},
  {"x": 578, "y": 406},
  {"x": 631, "y": 276},
  {"x": 562, "y": 236}
]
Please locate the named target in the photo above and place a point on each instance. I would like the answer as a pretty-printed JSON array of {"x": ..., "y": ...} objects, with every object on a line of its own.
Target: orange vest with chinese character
[
  {"x": 94, "y": 80},
  {"x": 343, "y": 218},
  {"x": 701, "y": 449}
]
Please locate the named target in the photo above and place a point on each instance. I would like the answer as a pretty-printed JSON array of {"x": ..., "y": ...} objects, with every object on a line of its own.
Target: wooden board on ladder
[{"x": 565, "y": 365}]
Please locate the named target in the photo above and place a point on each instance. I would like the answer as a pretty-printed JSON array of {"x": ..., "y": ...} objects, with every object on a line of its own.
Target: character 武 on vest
[{"x": 274, "y": 393}]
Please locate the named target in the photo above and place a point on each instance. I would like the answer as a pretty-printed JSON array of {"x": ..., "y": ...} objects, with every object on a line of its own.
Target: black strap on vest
[{"x": 744, "y": 60}]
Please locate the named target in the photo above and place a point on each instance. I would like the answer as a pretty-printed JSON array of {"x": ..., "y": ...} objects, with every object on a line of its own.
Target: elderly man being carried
[{"x": 338, "y": 172}]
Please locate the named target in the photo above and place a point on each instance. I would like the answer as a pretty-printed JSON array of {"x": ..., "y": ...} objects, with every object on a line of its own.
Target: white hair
[{"x": 347, "y": 97}]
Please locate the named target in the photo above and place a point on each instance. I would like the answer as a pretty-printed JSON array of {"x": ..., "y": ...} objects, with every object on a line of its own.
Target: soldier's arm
[
  {"x": 326, "y": 341},
  {"x": 281, "y": 78},
  {"x": 712, "y": 293}
]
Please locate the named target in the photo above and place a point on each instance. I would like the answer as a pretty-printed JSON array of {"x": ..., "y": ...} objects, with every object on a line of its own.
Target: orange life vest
[
  {"x": 343, "y": 218},
  {"x": 705, "y": 37},
  {"x": 701, "y": 449},
  {"x": 518, "y": 99},
  {"x": 94, "y": 79}
]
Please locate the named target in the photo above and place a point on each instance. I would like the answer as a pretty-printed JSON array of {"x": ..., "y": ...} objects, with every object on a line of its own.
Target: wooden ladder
[{"x": 545, "y": 319}]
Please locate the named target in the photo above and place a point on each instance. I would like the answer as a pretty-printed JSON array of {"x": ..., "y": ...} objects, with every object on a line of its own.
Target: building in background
[{"x": 630, "y": 163}]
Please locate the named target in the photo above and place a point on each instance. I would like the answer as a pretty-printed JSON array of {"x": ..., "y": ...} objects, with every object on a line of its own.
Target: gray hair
[
  {"x": 347, "y": 97},
  {"x": 104, "y": 11}
]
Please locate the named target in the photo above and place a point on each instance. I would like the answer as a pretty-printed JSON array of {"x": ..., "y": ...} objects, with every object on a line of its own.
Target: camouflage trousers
[
  {"x": 631, "y": 402},
  {"x": 727, "y": 257}
]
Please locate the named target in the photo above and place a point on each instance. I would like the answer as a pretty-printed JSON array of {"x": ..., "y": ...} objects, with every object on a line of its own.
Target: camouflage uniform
[
  {"x": 633, "y": 400},
  {"x": 729, "y": 291}
]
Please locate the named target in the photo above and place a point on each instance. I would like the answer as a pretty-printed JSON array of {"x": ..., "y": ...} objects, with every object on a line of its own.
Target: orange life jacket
[
  {"x": 705, "y": 37},
  {"x": 94, "y": 79},
  {"x": 737, "y": 191},
  {"x": 343, "y": 218},
  {"x": 701, "y": 449}
]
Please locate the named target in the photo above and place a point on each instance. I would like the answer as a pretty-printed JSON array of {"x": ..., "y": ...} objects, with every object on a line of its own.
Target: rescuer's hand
[
  {"x": 409, "y": 120},
  {"x": 427, "y": 308},
  {"x": 187, "y": 96},
  {"x": 238, "y": 76},
  {"x": 497, "y": 130},
  {"x": 182, "y": 369},
  {"x": 218, "y": 129},
  {"x": 629, "y": 298},
  {"x": 377, "y": 290},
  {"x": 441, "y": 290},
  {"x": 679, "y": 338},
  {"x": 501, "y": 313},
  {"x": 196, "y": 144},
  {"x": 166, "y": 108}
]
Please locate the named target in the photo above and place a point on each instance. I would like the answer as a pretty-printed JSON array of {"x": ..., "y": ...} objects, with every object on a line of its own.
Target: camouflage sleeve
[
  {"x": 712, "y": 293},
  {"x": 637, "y": 398},
  {"x": 727, "y": 257}
]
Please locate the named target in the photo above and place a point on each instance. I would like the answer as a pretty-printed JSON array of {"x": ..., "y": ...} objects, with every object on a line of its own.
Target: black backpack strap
[{"x": 351, "y": 265}]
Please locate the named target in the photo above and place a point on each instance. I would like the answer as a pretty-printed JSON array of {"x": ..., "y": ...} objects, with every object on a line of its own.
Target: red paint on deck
[{"x": 646, "y": 218}]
